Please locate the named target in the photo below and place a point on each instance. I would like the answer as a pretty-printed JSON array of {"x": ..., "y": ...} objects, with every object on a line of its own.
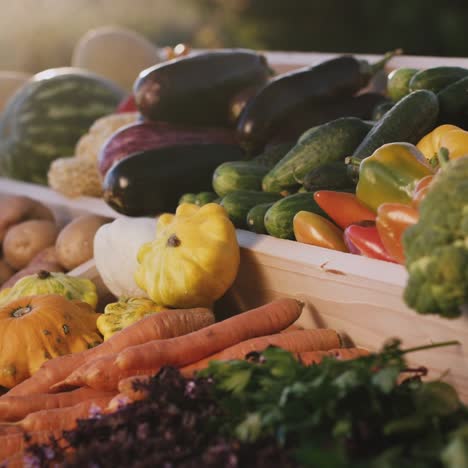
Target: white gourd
[{"x": 116, "y": 246}]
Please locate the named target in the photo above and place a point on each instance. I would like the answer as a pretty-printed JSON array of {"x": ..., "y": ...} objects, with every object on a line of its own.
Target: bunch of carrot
[{"x": 65, "y": 388}]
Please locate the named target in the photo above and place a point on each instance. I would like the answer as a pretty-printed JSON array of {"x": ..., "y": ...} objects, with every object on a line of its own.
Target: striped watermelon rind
[{"x": 46, "y": 117}]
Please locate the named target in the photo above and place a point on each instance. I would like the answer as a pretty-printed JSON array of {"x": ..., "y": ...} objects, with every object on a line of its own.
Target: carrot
[
  {"x": 15, "y": 461},
  {"x": 51, "y": 371},
  {"x": 14, "y": 408},
  {"x": 130, "y": 387},
  {"x": 293, "y": 327},
  {"x": 77, "y": 377},
  {"x": 101, "y": 374},
  {"x": 13, "y": 445},
  {"x": 120, "y": 400},
  {"x": 180, "y": 351},
  {"x": 62, "y": 419},
  {"x": 294, "y": 341},
  {"x": 163, "y": 325},
  {"x": 314, "y": 357}
]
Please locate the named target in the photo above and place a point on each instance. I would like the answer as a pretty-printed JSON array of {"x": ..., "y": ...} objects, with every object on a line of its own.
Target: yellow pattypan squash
[
  {"x": 193, "y": 260},
  {"x": 34, "y": 329},
  {"x": 429, "y": 145},
  {"x": 44, "y": 282},
  {"x": 119, "y": 315}
]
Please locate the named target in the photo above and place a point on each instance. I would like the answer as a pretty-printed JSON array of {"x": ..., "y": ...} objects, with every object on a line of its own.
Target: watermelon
[{"x": 46, "y": 117}]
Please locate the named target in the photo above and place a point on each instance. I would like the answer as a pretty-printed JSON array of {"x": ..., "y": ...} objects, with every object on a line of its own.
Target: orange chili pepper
[
  {"x": 420, "y": 191},
  {"x": 392, "y": 220},
  {"x": 313, "y": 229}
]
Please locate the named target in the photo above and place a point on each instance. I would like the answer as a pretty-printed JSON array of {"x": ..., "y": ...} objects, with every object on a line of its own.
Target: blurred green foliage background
[{"x": 38, "y": 34}]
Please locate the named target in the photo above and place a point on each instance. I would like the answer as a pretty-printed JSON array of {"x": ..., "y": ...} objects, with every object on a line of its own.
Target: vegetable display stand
[{"x": 349, "y": 293}]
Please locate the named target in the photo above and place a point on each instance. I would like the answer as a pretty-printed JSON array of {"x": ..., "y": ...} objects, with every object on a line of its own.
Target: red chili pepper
[
  {"x": 365, "y": 238},
  {"x": 392, "y": 221},
  {"x": 343, "y": 207}
]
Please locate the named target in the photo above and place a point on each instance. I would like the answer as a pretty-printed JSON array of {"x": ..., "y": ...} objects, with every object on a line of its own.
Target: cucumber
[
  {"x": 307, "y": 134},
  {"x": 437, "y": 78},
  {"x": 256, "y": 217},
  {"x": 238, "y": 204},
  {"x": 381, "y": 110},
  {"x": 187, "y": 198},
  {"x": 332, "y": 141},
  {"x": 408, "y": 120},
  {"x": 272, "y": 154},
  {"x": 398, "y": 82},
  {"x": 453, "y": 103},
  {"x": 279, "y": 218},
  {"x": 238, "y": 175},
  {"x": 203, "y": 198},
  {"x": 331, "y": 176}
]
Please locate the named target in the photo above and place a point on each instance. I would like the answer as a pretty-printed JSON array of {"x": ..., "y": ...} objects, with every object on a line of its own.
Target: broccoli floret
[{"x": 436, "y": 248}]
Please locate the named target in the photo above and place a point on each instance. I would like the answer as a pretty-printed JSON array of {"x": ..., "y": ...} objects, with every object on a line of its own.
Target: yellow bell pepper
[
  {"x": 390, "y": 175},
  {"x": 119, "y": 315},
  {"x": 193, "y": 260},
  {"x": 449, "y": 136},
  {"x": 456, "y": 142}
]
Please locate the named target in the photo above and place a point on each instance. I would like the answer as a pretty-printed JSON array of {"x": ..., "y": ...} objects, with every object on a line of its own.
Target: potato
[
  {"x": 15, "y": 209},
  {"x": 25, "y": 240},
  {"x": 6, "y": 271},
  {"x": 48, "y": 255},
  {"x": 74, "y": 244},
  {"x": 31, "y": 270}
]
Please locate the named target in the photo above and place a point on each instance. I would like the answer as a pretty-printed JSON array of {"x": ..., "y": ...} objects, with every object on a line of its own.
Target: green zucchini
[
  {"x": 237, "y": 204},
  {"x": 398, "y": 82},
  {"x": 331, "y": 176},
  {"x": 453, "y": 103},
  {"x": 332, "y": 141},
  {"x": 203, "y": 198},
  {"x": 187, "y": 198},
  {"x": 437, "y": 78},
  {"x": 238, "y": 175},
  {"x": 256, "y": 217},
  {"x": 279, "y": 218},
  {"x": 408, "y": 120}
]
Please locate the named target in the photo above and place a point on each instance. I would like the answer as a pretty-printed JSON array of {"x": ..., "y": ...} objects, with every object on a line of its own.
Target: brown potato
[
  {"x": 6, "y": 271},
  {"x": 48, "y": 255},
  {"x": 31, "y": 270},
  {"x": 15, "y": 209},
  {"x": 25, "y": 240},
  {"x": 74, "y": 244}
]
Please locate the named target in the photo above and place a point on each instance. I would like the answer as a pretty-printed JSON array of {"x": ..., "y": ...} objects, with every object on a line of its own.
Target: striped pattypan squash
[
  {"x": 37, "y": 328},
  {"x": 44, "y": 282},
  {"x": 123, "y": 313},
  {"x": 193, "y": 260}
]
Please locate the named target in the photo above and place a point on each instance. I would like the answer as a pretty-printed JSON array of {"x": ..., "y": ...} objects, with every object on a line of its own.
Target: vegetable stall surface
[{"x": 271, "y": 410}]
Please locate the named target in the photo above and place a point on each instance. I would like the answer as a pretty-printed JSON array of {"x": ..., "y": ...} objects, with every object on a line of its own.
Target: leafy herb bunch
[{"x": 344, "y": 413}]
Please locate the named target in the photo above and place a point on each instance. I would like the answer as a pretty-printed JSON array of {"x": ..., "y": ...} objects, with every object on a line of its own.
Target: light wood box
[{"x": 358, "y": 296}]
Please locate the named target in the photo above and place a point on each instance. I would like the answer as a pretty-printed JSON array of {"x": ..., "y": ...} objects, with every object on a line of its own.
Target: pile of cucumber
[{"x": 264, "y": 194}]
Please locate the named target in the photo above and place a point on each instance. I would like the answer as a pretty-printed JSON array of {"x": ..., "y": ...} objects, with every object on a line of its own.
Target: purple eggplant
[{"x": 144, "y": 136}]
